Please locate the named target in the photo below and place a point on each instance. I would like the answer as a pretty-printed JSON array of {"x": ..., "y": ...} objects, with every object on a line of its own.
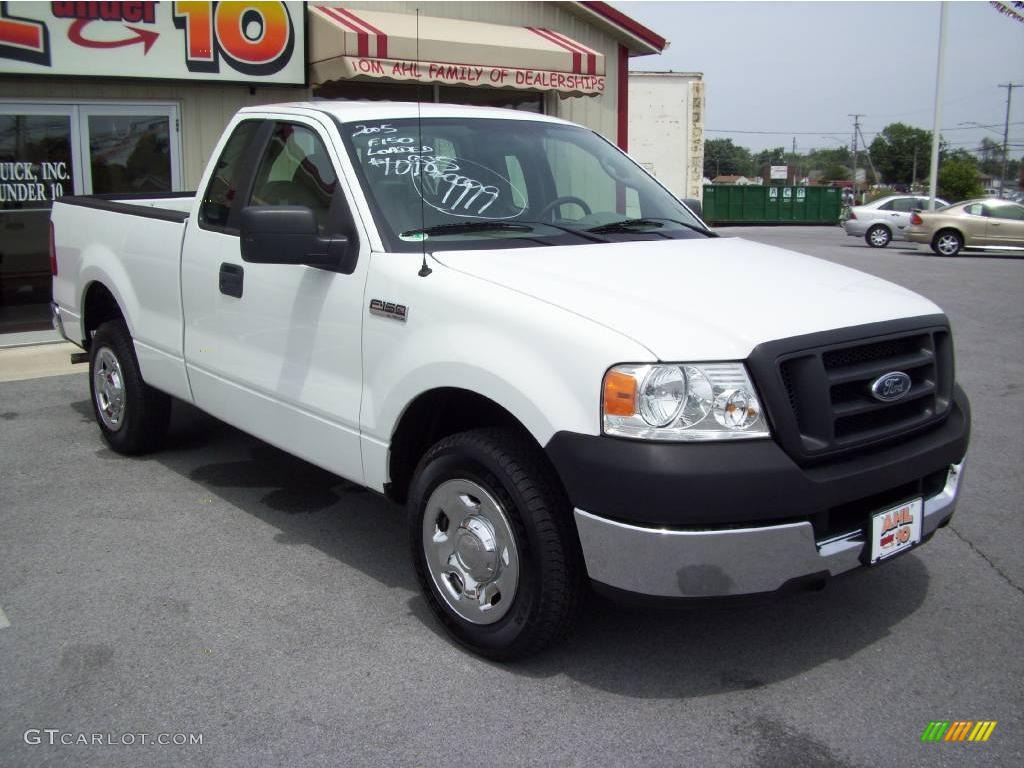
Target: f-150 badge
[{"x": 389, "y": 309}]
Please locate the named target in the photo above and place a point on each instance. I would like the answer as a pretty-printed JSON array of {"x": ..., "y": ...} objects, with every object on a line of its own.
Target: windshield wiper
[
  {"x": 578, "y": 232},
  {"x": 469, "y": 226},
  {"x": 496, "y": 226},
  {"x": 631, "y": 225}
]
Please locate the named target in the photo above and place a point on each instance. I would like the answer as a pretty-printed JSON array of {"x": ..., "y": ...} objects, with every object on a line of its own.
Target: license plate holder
[{"x": 896, "y": 529}]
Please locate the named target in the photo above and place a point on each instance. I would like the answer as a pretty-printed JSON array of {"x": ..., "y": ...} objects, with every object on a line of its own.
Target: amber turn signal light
[{"x": 619, "y": 394}]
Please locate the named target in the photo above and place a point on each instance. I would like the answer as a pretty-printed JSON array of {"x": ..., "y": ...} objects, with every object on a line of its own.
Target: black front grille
[
  {"x": 856, "y": 515},
  {"x": 819, "y": 397}
]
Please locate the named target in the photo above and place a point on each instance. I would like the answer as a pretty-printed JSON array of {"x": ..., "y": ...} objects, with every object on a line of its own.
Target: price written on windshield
[{"x": 442, "y": 181}]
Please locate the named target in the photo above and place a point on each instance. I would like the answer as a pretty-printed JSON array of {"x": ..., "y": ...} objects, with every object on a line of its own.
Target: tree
[
  {"x": 958, "y": 177},
  {"x": 991, "y": 160},
  {"x": 722, "y": 157},
  {"x": 834, "y": 164},
  {"x": 766, "y": 157},
  {"x": 894, "y": 150},
  {"x": 990, "y": 155},
  {"x": 836, "y": 172}
]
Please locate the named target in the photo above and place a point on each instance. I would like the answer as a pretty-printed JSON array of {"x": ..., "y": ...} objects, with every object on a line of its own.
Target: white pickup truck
[{"x": 502, "y": 321}]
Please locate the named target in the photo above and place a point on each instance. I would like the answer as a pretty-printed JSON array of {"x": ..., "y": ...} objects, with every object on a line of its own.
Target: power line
[{"x": 843, "y": 133}]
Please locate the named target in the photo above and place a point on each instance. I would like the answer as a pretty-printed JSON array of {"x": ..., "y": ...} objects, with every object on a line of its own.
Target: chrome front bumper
[{"x": 723, "y": 562}]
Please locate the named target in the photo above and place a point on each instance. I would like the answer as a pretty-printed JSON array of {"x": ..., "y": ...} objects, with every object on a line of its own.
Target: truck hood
[{"x": 713, "y": 299}]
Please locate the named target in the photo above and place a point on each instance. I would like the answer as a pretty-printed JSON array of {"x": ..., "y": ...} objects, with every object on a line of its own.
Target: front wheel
[
  {"x": 878, "y": 236},
  {"x": 948, "y": 242},
  {"x": 494, "y": 545},
  {"x": 132, "y": 416}
]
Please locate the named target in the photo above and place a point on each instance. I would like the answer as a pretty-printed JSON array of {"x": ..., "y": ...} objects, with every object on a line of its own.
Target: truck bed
[
  {"x": 131, "y": 245},
  {"x": 168, "y": 206}
]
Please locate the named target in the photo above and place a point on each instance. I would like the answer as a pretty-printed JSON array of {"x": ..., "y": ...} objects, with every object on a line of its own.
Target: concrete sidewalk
[{"x": 38, "y": 360}]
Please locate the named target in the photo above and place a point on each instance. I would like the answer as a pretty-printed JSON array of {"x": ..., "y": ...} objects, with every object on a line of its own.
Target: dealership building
[{"x": 129, "y": 97}]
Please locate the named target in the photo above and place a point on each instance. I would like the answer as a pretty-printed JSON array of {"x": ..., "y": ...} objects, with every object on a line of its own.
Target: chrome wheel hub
[
  {"x": 108, "y": 384},
  {"x": 948, "y": 244},
  {"x": 879, "y": 237},
  {"x": 470, "y": 551}
]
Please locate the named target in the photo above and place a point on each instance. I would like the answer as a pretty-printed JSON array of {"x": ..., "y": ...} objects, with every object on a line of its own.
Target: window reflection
[{"x": 130, "y": 153}]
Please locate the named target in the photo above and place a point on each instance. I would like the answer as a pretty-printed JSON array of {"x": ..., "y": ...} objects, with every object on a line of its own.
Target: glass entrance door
[
  {"x": 38, "y": 163},
  {"x": 50, "y": 150}
]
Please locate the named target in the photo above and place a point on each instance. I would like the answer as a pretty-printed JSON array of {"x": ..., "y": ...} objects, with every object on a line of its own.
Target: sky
[{"x": 801, "y": 68}]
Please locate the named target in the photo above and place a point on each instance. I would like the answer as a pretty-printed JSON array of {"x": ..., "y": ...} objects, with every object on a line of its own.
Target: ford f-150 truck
[{"x": 503, "y": 322}]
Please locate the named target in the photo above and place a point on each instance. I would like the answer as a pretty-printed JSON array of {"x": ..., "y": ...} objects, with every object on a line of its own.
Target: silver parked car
[{"x": 883, "y": 220}]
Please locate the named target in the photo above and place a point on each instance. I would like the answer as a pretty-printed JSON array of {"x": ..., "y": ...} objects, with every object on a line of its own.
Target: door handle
[{"x": 231, "y": 277}]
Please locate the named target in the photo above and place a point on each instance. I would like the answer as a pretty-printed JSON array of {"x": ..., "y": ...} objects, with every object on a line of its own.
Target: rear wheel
[
  {"x": 132, "y": 416},
  {"x": 878, "y": 236},
  {"x": 494, "y": 545},
  {"x": 947, "y": 242}
]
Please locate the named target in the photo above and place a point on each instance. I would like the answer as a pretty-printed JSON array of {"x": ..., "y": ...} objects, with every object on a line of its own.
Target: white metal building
[{"x": 666, "y": 128}]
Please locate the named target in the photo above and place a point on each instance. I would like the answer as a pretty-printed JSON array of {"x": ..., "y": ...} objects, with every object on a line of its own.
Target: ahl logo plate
[{"x": 890, "y": 387}]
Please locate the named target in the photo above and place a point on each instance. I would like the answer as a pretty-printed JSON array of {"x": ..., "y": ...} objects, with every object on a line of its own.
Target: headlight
[{"x": 688, "y": 401}]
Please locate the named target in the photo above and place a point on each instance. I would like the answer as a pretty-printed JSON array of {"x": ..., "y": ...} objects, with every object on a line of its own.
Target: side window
[
  {"x": 223, "y": 188},
  {"x": 296, "y": 170},
  {"x": 1013, "y": 212},
  {"x": 889, "y": 206},
  {"x": 975, "y": 210}
]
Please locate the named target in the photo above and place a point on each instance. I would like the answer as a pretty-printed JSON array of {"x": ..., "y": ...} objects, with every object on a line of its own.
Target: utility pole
[
  {"x": 1006, "y": 132},
  {"x": 856, "y": 130},
  {"x": 867, "y": 151},
  {"x": 913, "y": 174},
  {"x": 795, "y": 161}
]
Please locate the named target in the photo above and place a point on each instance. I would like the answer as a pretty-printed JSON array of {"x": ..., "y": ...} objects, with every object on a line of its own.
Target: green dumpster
[{"x": 757, "y": 204}]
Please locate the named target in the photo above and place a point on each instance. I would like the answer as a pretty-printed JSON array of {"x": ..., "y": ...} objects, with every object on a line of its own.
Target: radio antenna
[{"x": 418, "y": 165}]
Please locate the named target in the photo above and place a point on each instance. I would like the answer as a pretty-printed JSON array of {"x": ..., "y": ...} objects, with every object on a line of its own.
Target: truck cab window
[
  {"x": 296, "y": 170},
  {"x": 223, "y": 188}
]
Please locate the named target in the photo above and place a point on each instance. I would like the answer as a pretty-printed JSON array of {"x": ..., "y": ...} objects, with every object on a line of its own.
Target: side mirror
[
  {"x": 287, "y": 234},
  {"x": 694, "y": 205}
]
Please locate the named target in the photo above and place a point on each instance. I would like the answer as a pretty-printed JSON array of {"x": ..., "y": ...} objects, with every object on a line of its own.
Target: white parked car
[
  {"x": 501, "y": 321},
  {"x": 886, "y": 219}
]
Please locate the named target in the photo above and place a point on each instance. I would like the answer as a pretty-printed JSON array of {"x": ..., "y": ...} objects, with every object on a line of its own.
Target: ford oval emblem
[{"x": 891, "y": 386}]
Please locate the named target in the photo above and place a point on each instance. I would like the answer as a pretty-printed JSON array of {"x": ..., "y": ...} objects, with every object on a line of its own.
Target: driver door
[{"x": 275, "y": 349}]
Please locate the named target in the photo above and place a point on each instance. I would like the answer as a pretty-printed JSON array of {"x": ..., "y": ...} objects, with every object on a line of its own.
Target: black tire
[
  {"x": 143, "y": 419},
  {"x": 551, "y": 575},
  {"x": 878, "y": 236},
  {"x": 947, "y": 242}
]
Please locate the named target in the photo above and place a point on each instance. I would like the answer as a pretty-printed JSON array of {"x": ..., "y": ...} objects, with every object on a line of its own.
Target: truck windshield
[{"x": 494, "y": 183}]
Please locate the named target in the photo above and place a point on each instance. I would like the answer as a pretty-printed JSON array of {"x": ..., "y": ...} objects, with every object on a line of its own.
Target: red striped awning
[{"x": 347, "y": 44}]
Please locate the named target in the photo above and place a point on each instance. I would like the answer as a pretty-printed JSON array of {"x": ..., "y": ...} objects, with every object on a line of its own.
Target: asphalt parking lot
[{"x": 226, "y": 589}]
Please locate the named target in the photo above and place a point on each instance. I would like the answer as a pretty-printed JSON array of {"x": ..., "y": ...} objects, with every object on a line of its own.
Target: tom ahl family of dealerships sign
[{"x": 219, "y": 41}]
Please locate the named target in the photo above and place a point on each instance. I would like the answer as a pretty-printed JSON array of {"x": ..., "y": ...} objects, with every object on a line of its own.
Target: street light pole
[{"x": 934, "y": 180}]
